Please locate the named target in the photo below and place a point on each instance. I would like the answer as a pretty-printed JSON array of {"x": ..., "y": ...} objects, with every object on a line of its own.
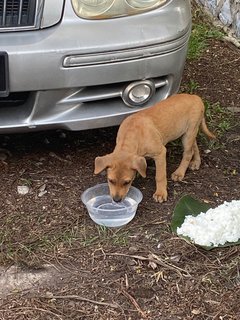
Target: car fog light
[{"x": 138, "y": 93}]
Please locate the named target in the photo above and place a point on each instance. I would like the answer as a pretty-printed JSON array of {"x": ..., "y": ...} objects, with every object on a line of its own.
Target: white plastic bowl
[{"x": 104, "y": 211}]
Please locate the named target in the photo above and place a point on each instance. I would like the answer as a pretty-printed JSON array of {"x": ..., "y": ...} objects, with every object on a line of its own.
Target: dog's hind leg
[
  {"x": 189, "y": 147},
  {"x": 196, "y": 160}
]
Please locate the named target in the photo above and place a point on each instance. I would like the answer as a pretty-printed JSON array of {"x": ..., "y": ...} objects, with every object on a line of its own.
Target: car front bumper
[{"x": 87, "y": 94}]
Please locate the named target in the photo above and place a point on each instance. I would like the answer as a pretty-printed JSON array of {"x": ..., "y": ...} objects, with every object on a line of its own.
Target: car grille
[{"x": 18, "y": 14}]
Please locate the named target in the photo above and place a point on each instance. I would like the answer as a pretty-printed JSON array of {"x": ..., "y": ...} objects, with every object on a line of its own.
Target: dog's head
[{"x": 121, "y": 171}]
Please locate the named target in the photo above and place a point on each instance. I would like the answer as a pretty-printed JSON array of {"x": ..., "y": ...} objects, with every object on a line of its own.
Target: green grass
[
  {"x": 191, "y": 87},
  {"x": 219, "y": 118},
  {"x": 116, "y": 237},
  {"x": 200, "y": 35},
  {"x": 33, "y": 249},
  {"x": 25, "y": 182}
]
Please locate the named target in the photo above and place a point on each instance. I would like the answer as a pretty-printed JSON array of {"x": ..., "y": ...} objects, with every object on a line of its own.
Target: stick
[
  {"x": 34, "y": 309},
  {"x": 134, "y": 302},
  {"x": 155, "y": 259},
  {"x": 75, "y": 297}
]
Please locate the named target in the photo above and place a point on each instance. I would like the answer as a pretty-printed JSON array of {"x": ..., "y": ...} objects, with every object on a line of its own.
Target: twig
[
  {"x": 79, "y": 298},
  {"x": 153, "y": 258},
  {"x": 153, "y": 222},
  {"x": 32, "y": 309},
  {"x": 126, "y": 281},
  {"x": 134, "y": 302},
  {"x": 54, "y": 155},
  {"x": 232, "y": 39}
]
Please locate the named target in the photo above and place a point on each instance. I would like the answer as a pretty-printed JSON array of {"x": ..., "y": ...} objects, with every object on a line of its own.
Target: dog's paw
[
  {"x": 177, "y": 176},
  {"x": 195, "y": 164},
  {"x": 160, "y": 196}
]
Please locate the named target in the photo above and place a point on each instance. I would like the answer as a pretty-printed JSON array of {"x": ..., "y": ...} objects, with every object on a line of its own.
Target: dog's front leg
[{"x": 161, "y": 176}]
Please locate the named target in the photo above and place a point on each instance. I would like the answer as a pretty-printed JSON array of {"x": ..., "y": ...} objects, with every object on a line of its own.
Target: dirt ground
[{"x": 57, "y": 264}]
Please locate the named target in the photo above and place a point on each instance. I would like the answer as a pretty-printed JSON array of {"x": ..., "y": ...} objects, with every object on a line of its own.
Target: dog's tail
[{"x": 205, "y": 130}]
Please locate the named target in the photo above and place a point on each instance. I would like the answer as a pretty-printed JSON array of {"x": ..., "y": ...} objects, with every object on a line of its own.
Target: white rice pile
[{"x": 214, "y": 227}]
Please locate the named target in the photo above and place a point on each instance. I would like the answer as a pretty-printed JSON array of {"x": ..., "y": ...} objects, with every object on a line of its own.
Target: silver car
[{"x": 81, "y": 64}]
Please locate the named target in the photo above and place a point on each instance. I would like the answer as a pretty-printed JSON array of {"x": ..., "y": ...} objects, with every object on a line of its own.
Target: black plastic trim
[{"x": 4, "y": 75}]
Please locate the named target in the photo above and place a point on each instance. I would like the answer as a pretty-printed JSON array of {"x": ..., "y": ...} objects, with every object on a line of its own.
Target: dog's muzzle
[{"x": 117, "y": 198}]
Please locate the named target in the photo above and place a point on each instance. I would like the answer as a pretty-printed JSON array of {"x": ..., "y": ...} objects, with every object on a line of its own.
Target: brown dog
[{"x": 145, "y": 134}]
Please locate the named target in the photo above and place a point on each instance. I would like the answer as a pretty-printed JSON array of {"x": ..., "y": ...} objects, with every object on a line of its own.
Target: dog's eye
[
  {"x": 126, "y": 182},
  {"x": 111, "y": 181}
]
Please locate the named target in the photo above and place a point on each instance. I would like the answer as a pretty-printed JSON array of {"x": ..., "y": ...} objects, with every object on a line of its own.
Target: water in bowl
[{"x": 104, "y": 211}]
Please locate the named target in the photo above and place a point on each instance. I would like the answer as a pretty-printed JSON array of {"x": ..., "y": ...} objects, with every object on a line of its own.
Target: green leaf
[
  {"x": 190, "y": 206},
  {"x": 186, "y": 206}
]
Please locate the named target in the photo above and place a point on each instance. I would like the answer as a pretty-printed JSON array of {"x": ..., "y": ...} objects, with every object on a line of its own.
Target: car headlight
[
  {"x": 106, "y": 9},
  {"x": 91, "y": 8},
  {"x": 140, "y": 4}
]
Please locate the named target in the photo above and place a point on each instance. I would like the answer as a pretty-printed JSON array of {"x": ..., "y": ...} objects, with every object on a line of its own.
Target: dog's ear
[
  {"x": 140, "y": 164},
  {"x": 101, "y": 163}
]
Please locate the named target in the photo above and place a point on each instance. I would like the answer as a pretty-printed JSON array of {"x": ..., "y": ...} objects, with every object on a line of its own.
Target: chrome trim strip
[
  {"x": 82, "y": 60},
  {"x": 37, "y": 18},
  {"x": 102, "y": 93},
  {"x": 4, "y": 10},
  {"x": 20, "y": 11}
]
